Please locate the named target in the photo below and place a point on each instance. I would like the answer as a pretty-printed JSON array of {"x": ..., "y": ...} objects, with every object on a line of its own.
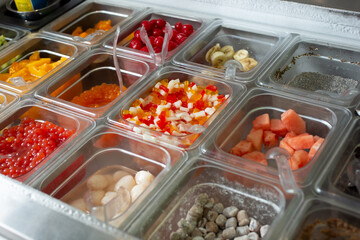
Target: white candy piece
[
  {"x": 136, "y": 191},
  {"x": 144, "y": 178},
  {"x": 97, "y": 196},
  {"x": 97, "y": 182},
  {"x": 242, "y": 238},
  {"x": 126, "y": 182},
  {"x": 253, "y": 236},
  {"x": 263, "y": 230},
  {"x": 119, "y": 174},
  {"x": 108, "y": 197},
  {"x": 79, "y": 204}
]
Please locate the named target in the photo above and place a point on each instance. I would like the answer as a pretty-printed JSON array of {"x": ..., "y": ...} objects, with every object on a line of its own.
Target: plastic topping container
[
  {"x": 325, "y": 121},
  {"x": 127, "y": 33},
  {"x": 185, "y": 135},
  {"x": 319, "y": 218},
  {"x": 223, "y": 186},
  {"x": 51, "y": 51},
  {"x": 11, "y": 35},
  {"x": 35, "y": 134},
  {"x": 94, "y": 72},
  {"x": 109, "y": 175},
  {"x": 238, "y": 43},
  {"x": 86, "y": 16},
  {"x": 7, "y": 99},
  {"x": 316, "y": 69}
]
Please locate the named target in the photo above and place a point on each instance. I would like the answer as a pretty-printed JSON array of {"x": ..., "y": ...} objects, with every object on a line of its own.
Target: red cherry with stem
[
  {"x": 144, "y": 49},
  {"x": 159, "y": 42},
  {"x": 175, "y": 33},
  {"x": 187, "y": 29},
  {"x": 172, "y": 45},
  {"x": 153, "y": 23},
  {"x": 136, "y": 44},
  {"x": 160, "y": 23},
  {"x": 178, "y": 26},
  {"x": 180, "y": 37},
  {"x": 137, "y": 34},
  {"x": 152, "y": 40},
  {"x": 146, "y": 25},
  {"x": 157, "y": 32}
]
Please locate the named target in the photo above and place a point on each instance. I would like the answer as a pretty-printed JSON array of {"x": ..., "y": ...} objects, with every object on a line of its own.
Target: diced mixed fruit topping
[
  {"x": 290, "y": 130},
  {"x": 173, "y": 107}
]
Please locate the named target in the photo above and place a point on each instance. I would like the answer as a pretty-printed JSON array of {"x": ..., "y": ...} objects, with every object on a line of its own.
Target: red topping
[
  {"x": 136, "y": 44},
  {"x": 146, "y": 25},
  {"x": 187, "y": 29},
  {"x": 178, "y": 26},
  {"x": 211, "y": 88},
  {"x": 27, "y": 144},
  {"x": 165, "y": 89}
]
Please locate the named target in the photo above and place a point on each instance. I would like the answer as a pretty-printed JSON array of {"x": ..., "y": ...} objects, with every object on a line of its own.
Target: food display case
[{"x": 180, "y": 120}]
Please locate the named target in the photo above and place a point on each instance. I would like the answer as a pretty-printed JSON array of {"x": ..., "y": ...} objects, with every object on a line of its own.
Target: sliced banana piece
[
  {"x": 218, "y": 59},
  {"x": 241, "y": 54},
  {"x": 228, "y": 51},
  {"x": 248, "y": 64},
  {"x": 215, "y": 48}
]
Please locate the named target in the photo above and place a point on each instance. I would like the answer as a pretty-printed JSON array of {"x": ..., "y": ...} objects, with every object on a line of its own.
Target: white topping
[
  {"x": 182, "y": 85},
  {"x": 144, "y": 125},
  {"x": 184, "y": 109},
  {"x": 210, "y": 111},
  {"x": 136, "y": 118},
  {"x": 194, "y": 87},
  {"x": 177, "y": 104},
  {"x": 189, "y": 94},
  {"x": 184, "y": 127},
  {"x": 205, "y": 97},
  {"x": 166, "y": 133},
  {"x": 172, "y": 84},
  {"x": 226, "y": 96},
  {"x": 141, "y": 100},
  {"x": 162, "y": 92},
  {"x": 157, "y": 85},
  {"x": 190, "y": 105},
  {"x": 172, "y": 114},
  {"x": 199, "y": 114},
  {"x": 172, "y": 118},
  {"x": 133, "y": 110},
  {"x": 161, "y": 108},
  {"x": 216, "y": 103},
  {"x": 212, "y": 98},
  {"x": 152, "y": 126}
]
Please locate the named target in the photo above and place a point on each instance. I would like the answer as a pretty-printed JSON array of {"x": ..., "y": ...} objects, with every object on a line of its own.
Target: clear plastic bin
[
  {"x": 127, "y": 33},
  {"x": 104, "y": 153},
  {"x": 94, "y": 69},
  {"x": 319, "y": 70},
  {"x": 47, "y": 47},
  {"x": 7, "y": 99},
  {"x": 86, "y": 16},
  {"x": 320, "y": 218},
  {"x": 261, "y": 46},
  {"x": 231, "y": 90},
  {"x": 339, "y": 179},
  {"x": 323, "y": 121},
  {"x": 38, "y": 112},
  {"x": 11, "y": 35},
  {"x": 261, "y": 200}
]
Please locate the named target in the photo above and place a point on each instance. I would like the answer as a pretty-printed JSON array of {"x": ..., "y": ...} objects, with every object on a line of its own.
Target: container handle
[
  {"x": 145, "y": 38},
  {"x": 231, "y": 67},
  {"x": 286, "y": 176},
  {"x": 168, "y": 35},
  {"x": 116, "y": 63},
  {"x": 4, "y": 100}
]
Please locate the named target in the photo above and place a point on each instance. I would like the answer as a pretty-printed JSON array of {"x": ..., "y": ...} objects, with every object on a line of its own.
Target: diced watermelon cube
[
  {"x": 270, "y": 139},
  {"x": 262, "y": 122},
  {"x": 256, "y": 138},
  {"x": 301, "y": 142},
  {"x": 284, "y": 145},
  {"x": 299, "y": 159},
  {"x": 242, "y": 147},
  {"x": 277, "y": 127},
  {"x": 315, "y": 147},
  {"x": 256, "y": 157},
  {"x": 293, "y": 122}
]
